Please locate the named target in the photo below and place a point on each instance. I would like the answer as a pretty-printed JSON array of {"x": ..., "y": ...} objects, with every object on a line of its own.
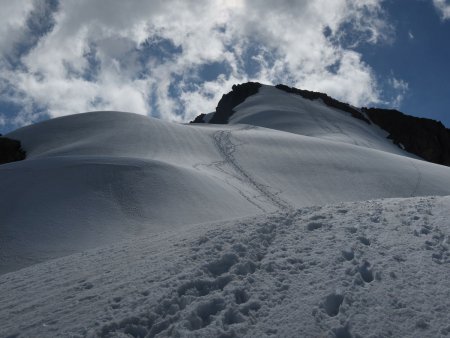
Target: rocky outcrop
[
  {"x": 224, "y": 109},
  {"x": 423, "y": 137},
  {"x": 10, "y": 150},
  {"x": 238, "y": 94},
  {"x": 329, "y": 101},
  {"x": 199, "y": 119}
]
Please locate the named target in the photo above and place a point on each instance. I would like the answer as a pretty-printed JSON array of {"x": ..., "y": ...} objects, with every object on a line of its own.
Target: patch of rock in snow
[{"x": 375, "y": 268}]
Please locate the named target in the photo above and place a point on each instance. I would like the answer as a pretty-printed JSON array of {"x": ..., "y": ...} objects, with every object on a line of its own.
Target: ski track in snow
[
  {"x": 419, "y": 179},
  {"x": 345, "y": 270},
  {"x": 223, "y": 142}
]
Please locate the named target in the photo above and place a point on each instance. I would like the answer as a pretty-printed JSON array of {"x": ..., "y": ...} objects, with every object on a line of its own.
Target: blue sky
[
  {"x": 173, "y": 59},
  {"x": 419, "y": 55}
]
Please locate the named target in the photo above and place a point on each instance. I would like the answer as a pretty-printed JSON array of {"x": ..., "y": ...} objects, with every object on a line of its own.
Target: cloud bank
[
  {"x": 443, "y": 7},
  {"x": 175, "y": 58}
]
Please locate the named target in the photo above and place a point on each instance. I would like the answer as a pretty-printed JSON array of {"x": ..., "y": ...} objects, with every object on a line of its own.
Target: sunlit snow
[{"x": 294, "y": 220}]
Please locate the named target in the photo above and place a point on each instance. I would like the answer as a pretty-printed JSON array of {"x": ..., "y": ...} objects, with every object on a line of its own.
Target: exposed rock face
[
  {"x": 329, "y": 101},
  {"x": 199, "y": 119},
  {"x": 423, "y": 137},
  {"x": 10, "y": 150},
  {"x": 228, "y": 101}
]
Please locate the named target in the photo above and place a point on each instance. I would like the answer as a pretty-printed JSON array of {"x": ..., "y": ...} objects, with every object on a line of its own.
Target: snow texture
[
  {"x": 376, "y": 268},
  {"x": 296, "y": 220}
]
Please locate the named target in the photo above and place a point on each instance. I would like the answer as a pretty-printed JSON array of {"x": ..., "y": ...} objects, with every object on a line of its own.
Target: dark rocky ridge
[
  {"x": 424, "y": 137},
  {"x": 225, "y": 107},
  {"x": 10, "y": 150},
  {"x": 199, "y": 119}
]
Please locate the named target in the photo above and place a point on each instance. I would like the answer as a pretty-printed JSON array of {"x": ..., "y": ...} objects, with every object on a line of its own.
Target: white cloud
[
  {"x": 400, "y": 88},
  {"x": 12, "y": 19},
  {"x": 443, "y": 6},
  {"x": 147, "y": 56}
]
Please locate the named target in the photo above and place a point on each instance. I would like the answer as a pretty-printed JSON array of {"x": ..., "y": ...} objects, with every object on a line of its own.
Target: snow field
[
  {"x": 295, "y": 220},
  {"x": 99, "y": 178},
  {"x": 335, "y": 271}
]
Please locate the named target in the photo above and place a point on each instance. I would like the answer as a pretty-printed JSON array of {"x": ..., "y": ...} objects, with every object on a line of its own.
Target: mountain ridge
[{"x": 426, "y": 138}]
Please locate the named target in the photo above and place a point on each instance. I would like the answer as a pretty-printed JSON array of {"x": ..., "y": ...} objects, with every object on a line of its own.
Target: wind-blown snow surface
[
  {"x": 364, "y": 269},
  {"x": 209, "y": 230}
]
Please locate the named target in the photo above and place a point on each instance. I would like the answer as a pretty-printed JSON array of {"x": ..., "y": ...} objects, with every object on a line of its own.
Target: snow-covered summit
[
  {"x": 317, "y": 114},
  {"x": 276, "y": 109}
]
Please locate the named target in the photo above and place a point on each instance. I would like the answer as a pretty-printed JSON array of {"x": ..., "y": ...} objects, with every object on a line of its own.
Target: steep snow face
[
  {"x": 276, "y": 109},
  {"x": 97, "y": 178},
  {"x": 374, "y": 268}
]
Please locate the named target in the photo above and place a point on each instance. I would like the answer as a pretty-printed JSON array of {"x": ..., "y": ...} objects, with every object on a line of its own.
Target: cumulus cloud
[
  {"x": 13, "y": 20},
  {"x": 175, "y": 58},
  {"x": 443, "y": 7}
]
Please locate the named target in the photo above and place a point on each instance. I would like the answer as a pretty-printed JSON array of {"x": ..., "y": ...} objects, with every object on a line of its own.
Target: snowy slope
[
  {"x": 374, "y": 268},
  {"x": 97, "y": 178},
  {"x": 276, "y": 109},
  {"x": 293, "y": 220}
]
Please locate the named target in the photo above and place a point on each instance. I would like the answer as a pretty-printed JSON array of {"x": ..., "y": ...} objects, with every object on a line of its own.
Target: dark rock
[
  {"x": 199, "y": 119},
  {"x": 10, "y": 150},
  {"x": 423, "y": 137},
  {"x": 228, "y": 101},
  {"x": 329, "y": 101}
]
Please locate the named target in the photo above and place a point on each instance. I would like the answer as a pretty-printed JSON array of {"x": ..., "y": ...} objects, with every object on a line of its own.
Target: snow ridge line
[{"x": 222, "y": 141}]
